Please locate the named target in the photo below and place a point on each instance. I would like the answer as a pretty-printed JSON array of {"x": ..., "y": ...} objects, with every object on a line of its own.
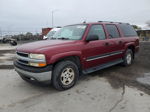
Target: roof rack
[{"x": 111, "y": 22}]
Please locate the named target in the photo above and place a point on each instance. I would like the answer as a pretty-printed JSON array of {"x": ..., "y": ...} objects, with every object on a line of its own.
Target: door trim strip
[{"x": 104, "y": 55}]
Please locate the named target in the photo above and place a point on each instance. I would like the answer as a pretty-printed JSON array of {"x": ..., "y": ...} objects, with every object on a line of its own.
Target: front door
[{"x": 95, "y": 52}]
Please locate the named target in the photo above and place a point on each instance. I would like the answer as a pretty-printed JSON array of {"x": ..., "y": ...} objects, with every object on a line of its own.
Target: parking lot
[{"x": 115, "y": 89}]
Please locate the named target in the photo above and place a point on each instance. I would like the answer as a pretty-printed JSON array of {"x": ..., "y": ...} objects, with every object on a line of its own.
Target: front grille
[
  {"x": 22, "y": 62},
  {"x": 22, "y": 54}
]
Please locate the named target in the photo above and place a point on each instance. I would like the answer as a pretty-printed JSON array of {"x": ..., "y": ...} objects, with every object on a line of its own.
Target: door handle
[
  {"x": 120, "y": 42},
  {"x": 106, "y": 44}
]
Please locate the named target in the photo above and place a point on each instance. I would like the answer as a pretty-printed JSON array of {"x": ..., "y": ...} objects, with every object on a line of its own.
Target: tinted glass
[
  {"x": 97, "y": 30},
  {"x": 127, "y": 30},
  {"x": 113, "y": 31}
]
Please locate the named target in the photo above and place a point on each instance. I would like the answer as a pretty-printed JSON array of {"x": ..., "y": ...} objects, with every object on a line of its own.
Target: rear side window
[
  {"x": 97, "y": 30},
  {"x": 113, "y": 31},
  {"x": 127, "y": 30}
]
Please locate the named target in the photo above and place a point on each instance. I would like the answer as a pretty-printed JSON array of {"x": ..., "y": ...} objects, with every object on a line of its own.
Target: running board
[{"x": 100, "y": 67}]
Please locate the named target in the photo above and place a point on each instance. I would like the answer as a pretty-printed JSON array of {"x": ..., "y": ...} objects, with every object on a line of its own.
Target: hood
[{"x": 34, "y": 47}]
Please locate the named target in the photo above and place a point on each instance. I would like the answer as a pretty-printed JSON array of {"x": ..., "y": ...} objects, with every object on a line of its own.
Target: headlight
[{"x": 37, "y": 56}]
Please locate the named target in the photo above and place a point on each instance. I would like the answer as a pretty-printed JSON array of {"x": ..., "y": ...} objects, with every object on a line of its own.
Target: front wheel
[
  {"x": 128, "y": 58},
  {"x": 65, "y": 75}
]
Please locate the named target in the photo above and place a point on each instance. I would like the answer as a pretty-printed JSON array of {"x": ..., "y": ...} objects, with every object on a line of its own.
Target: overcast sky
[{"x": 32, "y": 15}]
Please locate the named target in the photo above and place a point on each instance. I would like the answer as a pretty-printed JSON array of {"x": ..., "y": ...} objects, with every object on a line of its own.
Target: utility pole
[{"x": 53, "y": 17}]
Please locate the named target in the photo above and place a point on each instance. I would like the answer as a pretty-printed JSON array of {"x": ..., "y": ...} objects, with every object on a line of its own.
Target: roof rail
[{"x": 111, "y": 22}]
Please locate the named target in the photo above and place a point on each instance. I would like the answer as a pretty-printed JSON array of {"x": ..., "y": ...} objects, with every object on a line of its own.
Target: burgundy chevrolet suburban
[{"x": 75, "y": 50}]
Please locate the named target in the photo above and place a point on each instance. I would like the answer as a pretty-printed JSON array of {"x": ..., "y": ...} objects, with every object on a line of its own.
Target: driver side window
[{"x": 97, "y": 30}]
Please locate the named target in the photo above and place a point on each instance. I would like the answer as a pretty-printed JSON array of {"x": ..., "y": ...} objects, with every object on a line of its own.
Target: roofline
[{"x": 99, "y": 22}]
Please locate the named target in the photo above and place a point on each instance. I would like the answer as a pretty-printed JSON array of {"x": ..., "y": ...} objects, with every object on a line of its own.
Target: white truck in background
[{"x": 51, "y": 33}]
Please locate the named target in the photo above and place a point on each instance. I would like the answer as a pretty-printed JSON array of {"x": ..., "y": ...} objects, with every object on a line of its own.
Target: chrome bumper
[{"x": 41, "y": 77}]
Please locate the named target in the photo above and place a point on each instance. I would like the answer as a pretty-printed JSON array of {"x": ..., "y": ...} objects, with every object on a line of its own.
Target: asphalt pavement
[{"x": 115, "y": 89}]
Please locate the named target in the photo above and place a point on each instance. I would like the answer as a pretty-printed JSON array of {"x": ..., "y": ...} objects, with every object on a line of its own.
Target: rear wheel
[
  {"x": 128, "y": 58},
  {"x": 65, "y": 75}
]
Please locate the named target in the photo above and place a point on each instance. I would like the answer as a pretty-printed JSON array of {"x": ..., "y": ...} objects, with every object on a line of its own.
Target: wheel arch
[
  {"x": 75, "y": 57},
  {"x": 131, "y": 47}
]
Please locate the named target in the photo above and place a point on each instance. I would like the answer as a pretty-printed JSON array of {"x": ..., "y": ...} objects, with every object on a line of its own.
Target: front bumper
[{"x": 43, "y": 74}]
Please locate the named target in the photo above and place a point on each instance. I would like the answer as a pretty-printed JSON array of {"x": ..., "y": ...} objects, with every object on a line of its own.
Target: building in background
[
  {"x": 144, "y": 34},
  {"x": 45, "y": 31}
]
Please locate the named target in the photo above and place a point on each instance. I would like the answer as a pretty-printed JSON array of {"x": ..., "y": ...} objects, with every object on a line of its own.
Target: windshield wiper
[{"x": 63, "y": 38}]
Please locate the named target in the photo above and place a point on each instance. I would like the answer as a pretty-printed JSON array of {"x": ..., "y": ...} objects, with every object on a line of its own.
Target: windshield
[{"x": 73, "y": 32}]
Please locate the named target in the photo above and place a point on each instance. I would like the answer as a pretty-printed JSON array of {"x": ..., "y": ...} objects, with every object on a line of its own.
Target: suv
[{"x": 75, "y": 50}]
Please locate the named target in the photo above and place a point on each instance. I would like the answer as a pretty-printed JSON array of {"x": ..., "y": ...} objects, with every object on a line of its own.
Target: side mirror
[{"x": 92, "y": 38}]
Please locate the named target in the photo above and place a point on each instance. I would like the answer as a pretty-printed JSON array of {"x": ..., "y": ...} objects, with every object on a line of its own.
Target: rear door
[{"x": 115, "y": 43}]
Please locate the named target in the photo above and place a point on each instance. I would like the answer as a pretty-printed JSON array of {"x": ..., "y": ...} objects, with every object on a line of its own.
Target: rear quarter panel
[{"x": 131, "y": 41}]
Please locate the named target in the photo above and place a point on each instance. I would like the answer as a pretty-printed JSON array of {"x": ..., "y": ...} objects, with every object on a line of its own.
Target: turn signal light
[{"x": 37, "y": 64}]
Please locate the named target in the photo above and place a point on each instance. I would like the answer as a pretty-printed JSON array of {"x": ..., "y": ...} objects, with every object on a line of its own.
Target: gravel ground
[{"x": 115, "y": 89}]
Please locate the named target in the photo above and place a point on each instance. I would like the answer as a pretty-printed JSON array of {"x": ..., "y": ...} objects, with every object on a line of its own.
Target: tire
[
  {"x": 65, "y": 75},
  {"x": 128, "y": 57}
]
